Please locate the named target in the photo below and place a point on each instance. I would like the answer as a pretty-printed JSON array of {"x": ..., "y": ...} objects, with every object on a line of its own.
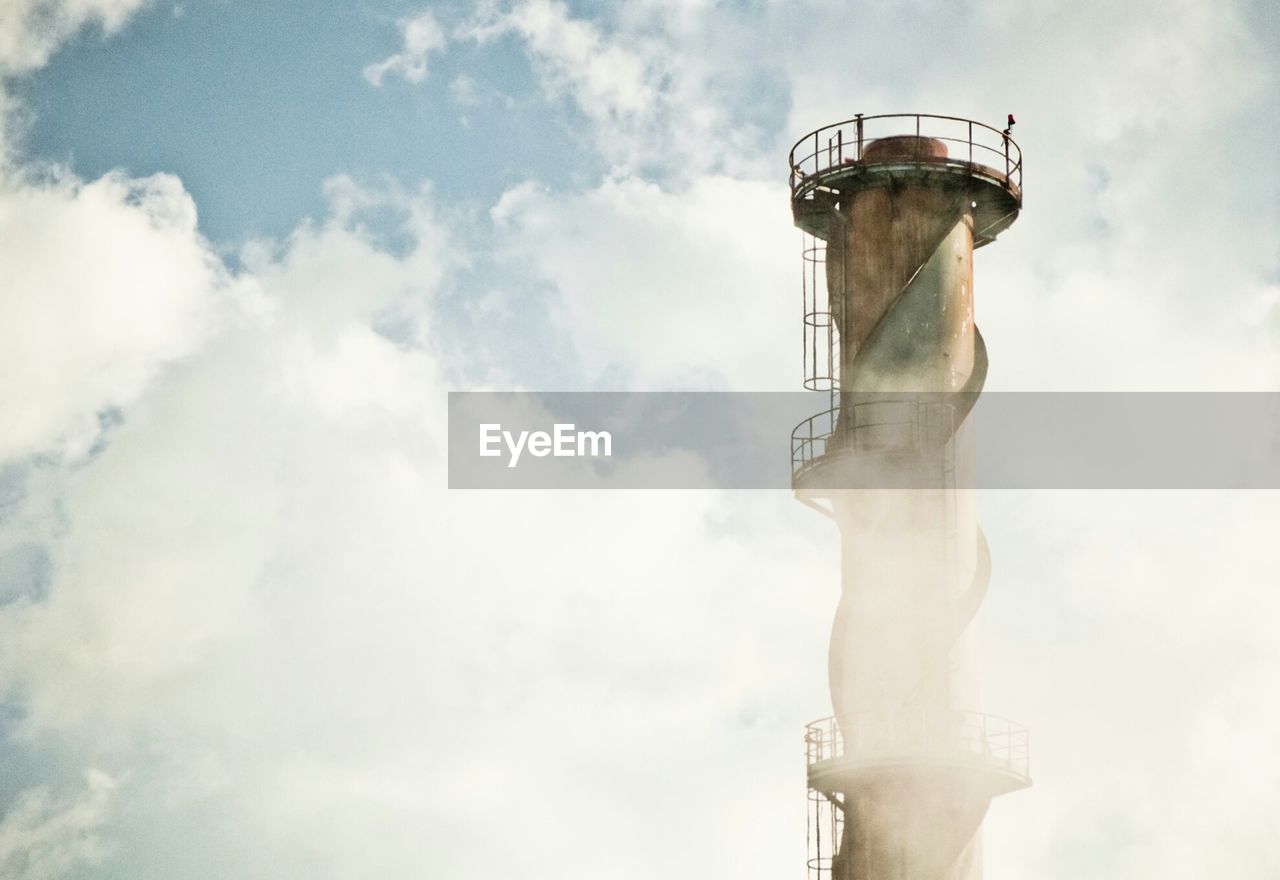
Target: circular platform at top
[{"x": 956, "y": 155}]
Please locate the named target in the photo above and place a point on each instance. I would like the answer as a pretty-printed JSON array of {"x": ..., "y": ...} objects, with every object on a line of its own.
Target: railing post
[
  {"x": 840, "y": 145},
  {"x": 858, "y": 118},
  {"x": 970, "y": 141}
]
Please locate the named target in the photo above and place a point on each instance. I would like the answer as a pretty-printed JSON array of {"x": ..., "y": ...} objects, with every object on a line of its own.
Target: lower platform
[
  {"x": 973, "y": 774},
  {"x": 983, "y": 754}
]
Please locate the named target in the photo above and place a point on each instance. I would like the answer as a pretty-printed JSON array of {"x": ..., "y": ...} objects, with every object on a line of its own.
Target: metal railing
[
  {"x": 841, "y": 146},
  {"x": 880, "y": 424},
  {"x": 953, "y": 734}
]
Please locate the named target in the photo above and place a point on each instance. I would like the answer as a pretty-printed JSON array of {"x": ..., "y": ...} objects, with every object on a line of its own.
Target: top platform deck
[{"x": 943, "y": 151}]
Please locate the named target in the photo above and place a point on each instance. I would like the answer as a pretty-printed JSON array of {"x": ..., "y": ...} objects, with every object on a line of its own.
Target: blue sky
[
  {"x": 254, "y": 105},
  {"x": 244, "y": 628}
]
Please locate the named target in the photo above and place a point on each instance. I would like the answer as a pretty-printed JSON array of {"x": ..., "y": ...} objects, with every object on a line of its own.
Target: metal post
[
  {"x": 970, "y": 142},
  {"x": 858, "y": 117},
  {"x": 817, "y": 821}
]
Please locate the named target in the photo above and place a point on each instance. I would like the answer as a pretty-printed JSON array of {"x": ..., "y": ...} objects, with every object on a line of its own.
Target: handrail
[
  {"x": 955, "y": 734},
  {"x": 842, "y": 144},
  {"x": 811, "y": 440}
]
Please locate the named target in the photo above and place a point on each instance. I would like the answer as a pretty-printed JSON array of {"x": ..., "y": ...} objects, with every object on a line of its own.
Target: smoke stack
[{"x": 901, "y": 776}]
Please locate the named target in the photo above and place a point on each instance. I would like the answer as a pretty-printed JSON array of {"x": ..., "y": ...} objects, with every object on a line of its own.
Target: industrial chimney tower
[{"x": 892, "y": 208}]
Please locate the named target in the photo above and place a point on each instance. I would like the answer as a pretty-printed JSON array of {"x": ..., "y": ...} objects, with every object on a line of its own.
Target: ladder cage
[
  {"x": 825, "y": 827},
  {"x": 821, "y": 337}
]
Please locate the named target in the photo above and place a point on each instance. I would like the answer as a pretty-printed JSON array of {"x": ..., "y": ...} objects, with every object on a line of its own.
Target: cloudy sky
[{"x": 246, "y": 248}]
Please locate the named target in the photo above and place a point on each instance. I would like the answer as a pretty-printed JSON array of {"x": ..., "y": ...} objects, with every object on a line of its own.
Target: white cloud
[
  {"x": 465, "y": 91},
  {"x": 1140, "y": 661},
  {"x": 658, "y": 93},
  {"x": 420, "y": 37},
  {"x": 263, "y": 580},
  {"x": 104, "y": 283},
  {"x": 31, "y": 30},
  {"x": 609, "y": 81},
  {"x": 43, "y": 838},
  {"x": 674, "y": 288}
]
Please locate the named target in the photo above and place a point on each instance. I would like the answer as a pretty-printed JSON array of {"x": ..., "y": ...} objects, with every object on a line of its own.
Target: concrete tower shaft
[{"x": 906, "y": 767}]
